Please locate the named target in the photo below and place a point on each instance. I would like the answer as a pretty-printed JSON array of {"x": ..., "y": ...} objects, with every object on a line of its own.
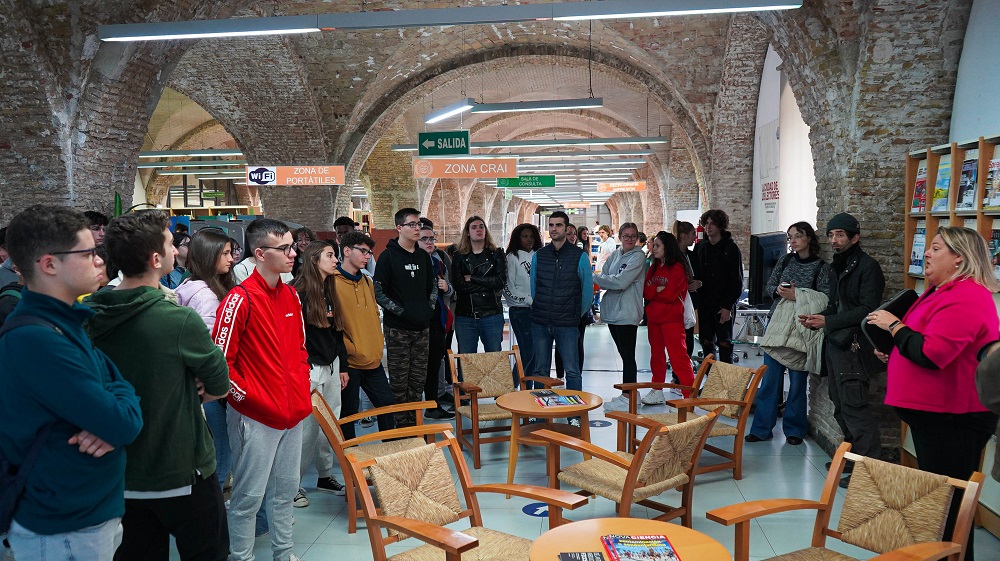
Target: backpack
[{"x": 14, "y": 478}]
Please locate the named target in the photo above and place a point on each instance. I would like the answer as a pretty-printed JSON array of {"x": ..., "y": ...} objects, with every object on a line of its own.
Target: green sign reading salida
[{"x": 523, "y": 181}]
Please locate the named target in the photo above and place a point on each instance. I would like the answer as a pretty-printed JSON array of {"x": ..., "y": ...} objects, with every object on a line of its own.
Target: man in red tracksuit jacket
[{"x": 259, "y": 328}]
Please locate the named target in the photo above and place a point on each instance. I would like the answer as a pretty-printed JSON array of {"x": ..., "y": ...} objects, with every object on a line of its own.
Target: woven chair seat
[
  {"x": 366, "y": 452},
  {"x": 671, "y": 419},
  {"x": 608, "y": 480},
  {"x": 493, "y": 546},
  {"x": 487, "y": 412},
  {"x": 813, "y": 554}
]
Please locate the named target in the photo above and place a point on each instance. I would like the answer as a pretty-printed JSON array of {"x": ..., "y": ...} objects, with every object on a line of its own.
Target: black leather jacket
[{"x": 480, "y": 296}]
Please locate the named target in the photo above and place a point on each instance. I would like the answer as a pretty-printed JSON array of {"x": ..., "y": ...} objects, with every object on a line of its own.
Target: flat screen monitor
[{"x": 765, "y": 251}]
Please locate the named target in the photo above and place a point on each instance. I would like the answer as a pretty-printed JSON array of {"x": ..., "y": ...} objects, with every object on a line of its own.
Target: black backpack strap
[{"x": 24, "y": 321}]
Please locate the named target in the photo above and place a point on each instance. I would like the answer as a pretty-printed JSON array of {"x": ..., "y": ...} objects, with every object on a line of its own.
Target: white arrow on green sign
[
  {"x": 525, "y": 181},
  {"x": 445, "y": 143}
]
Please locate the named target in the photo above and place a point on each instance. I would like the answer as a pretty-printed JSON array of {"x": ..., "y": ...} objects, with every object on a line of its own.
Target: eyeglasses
[
  {"x": 428, "y": 240},
  {"x": 92, "y": 251},
  {"x": 411, "y": 224},
  {"x": 364, "y": 250},
  {"x": 630, "y": 237},
  {"x": 286, "y": 249}
]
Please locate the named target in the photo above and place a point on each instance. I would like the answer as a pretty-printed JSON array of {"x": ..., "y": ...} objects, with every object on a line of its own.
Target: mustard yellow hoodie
[{"x": 362, "y": 328}]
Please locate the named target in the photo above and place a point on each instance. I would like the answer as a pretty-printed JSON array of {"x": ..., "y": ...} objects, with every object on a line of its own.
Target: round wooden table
[
  {"x": 585, "y": 535},
  {"x": 523, "y": 405}
]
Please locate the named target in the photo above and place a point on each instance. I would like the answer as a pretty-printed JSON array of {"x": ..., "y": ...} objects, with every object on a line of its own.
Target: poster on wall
[{"x": 766, "y": 165}]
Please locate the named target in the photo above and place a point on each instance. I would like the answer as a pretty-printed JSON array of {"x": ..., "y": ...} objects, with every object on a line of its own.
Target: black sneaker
[
  {"x": 574, "y": 422},
  {"x": 845, "y": 481},
  {"x": 438, "y": 413},
  {"x": 367, "y": 422},
  {"x": 446, "y": 397},
  {"x": 330, "y": 485},
  {"x": 848, "y": 468}
]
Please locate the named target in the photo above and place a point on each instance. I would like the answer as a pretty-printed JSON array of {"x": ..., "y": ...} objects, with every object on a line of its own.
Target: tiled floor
[{"x": 771, "y": 469}]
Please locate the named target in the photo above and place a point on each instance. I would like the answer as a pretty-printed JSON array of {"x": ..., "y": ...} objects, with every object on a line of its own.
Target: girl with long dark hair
[
  {"x": 525, "y": 240},
  {"x": 478, "y": 273},
  {"x": 665, "y": 287},
  {"x": 327, "y": 357}
]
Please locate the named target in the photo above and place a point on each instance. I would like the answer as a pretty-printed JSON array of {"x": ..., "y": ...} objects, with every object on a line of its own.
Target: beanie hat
[{"x": 845, "y": 222}]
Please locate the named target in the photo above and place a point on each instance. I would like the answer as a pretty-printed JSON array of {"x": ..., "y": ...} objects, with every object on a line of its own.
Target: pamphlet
[
  {"x": 991, "y": 200},
  {"x": 917, "y": 249},
  {"x": 639, "y": 548},
  {"x": 557, "y": 400},
  {"x": 966, "y": 197},
  {"x": 919, "y": 202},
  {"x": 543, "y": 393},
  {"x": 942, "y": 185},
  {"x": 582, "y": 556}
]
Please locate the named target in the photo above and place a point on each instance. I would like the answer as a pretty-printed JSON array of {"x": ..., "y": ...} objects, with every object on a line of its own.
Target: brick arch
[
  {"x": 83, "y": 105},
  {"x": 205, "y": 136},
  {"x": 390, "y": 107}
]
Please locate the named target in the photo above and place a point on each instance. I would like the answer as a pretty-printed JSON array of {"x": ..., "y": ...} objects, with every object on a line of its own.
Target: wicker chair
[
  {"x": 665, "y": 459},
  {"x": 367, "y": 446},
  {"x": 418, "y": 496},
  {"x": 485, "y": 376},
  {"x": 731, "y": 386},
  {"x": 893, "y": 510}
]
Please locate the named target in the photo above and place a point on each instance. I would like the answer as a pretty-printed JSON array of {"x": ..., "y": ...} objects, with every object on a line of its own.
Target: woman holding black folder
[{"x": 932, "y": 368}]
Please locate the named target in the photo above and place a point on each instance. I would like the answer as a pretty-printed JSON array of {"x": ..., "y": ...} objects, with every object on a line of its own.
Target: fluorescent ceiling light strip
[
  {"x": 190, "y": 164},
  {"x": 635, "y": 9},
  {"x": 389, "y": 19},
  {"x": 190, "y": 153},
  {"x": 201, "y": 29},
  {"x": 540, "y": 105},
  {"x": 449, "y": 111},
  {"x": 241, "y": 173},
  {"x": 550, "y": 143},
  {"x": 581, "y": 164}
]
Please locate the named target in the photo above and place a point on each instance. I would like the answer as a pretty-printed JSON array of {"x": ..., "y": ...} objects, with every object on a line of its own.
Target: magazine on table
[
  {"x": 558, "y": 400},
  {"x": 582, "y": 556},
  {"x": 543, "y": 393},
  {"x": 621, "y": 547}
]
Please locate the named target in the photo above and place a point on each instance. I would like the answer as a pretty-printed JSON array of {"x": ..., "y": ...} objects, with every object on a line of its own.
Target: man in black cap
[{"x": 850, "y": 358}]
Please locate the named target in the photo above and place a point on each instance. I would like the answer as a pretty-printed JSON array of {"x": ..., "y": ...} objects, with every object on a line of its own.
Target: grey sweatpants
[
  {"x": 264, "y": 460},
  {"x": 315, "y": 446}
]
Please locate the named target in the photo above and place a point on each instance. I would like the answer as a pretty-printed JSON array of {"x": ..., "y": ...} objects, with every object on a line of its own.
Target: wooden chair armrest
[
  {"x": 447, "y": 539},
  {"x": 702, "y": 403},
  {"x": 405, "y": 432},
  {"x": 741, "y": 512},
  {"x": 546, "y": 381},
  {"x": 581, "y": 446},
  {"x": 651, "y": 385},
  {"x": 468, "y": 387},
  {"x": 412, "y": 406},
  {"x": 926, "y": 551},
  {"x": 555, "y": 497},
  {"x": 631, "y": 418}
]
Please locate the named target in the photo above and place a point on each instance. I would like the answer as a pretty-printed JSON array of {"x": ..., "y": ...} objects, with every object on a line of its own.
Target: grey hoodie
[{"x": 622, "y": 276}]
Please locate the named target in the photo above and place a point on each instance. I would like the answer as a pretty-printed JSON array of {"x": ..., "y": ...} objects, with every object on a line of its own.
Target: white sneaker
[
  {"x": 300, "y": 500},
  {"x": 618, "y": 403},
  {"x": 654, "y": 397},
  {"x": 294, "y": 557}
]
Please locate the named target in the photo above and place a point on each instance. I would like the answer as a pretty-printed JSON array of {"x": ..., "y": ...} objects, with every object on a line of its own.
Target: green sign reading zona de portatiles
[
  {"x": 445, "y": 143},
  {"x": 523, "y": 181}
]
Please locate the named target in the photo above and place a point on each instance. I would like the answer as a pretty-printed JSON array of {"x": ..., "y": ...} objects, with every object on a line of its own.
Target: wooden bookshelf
[
  {"x": 212, "y": 210},
  {"x": 976, "y": 217}
]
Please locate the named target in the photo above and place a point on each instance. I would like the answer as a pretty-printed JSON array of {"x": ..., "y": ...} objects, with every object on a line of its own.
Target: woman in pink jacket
[
  {"x": 666, "y": 284},
  {"x": 932, "y": 367}
]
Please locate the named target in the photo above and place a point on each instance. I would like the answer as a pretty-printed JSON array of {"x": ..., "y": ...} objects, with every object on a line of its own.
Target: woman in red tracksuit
[{"x": 666, "y": 283}]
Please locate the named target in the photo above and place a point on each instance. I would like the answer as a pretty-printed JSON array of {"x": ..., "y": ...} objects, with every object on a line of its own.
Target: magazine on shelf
[
  {"x": 917, "y": 249},
  {"x": 991, "y": 200},
  {"x": 559, "y": 400},
  {"x": 622, "y": 547},
  {"x": 965, "y": 199},
  {"x": 919, "y": 203},
  {"x": 582, "y": 556},
  {"x": 942, "y": 185},
  {"x": 543, "y": 393}
]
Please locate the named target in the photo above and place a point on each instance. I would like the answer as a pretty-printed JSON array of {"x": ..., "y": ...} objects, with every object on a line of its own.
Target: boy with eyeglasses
[
  {"x": 406, "y": 288},
  {"x": 362, "y": 332},
  {"x": 74, "y": 497},
  {"x": 259, "y": 328}
]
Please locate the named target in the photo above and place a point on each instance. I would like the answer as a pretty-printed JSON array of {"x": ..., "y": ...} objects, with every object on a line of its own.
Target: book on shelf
[
  {"x": 969, "y": 223},
  {"x": 917, "y": 249},
  {"x": 994, "y": 241},
  {"x": 559, "y": 400},
  {"x": 582, "y": 556},
  {"x": 991, "y": 200},
  {"x": 965, "y": 199},
  {"x": 942, "y": 185},
  {"x": 919, "y": 202},
  {"x": 621, "y": 547}
]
